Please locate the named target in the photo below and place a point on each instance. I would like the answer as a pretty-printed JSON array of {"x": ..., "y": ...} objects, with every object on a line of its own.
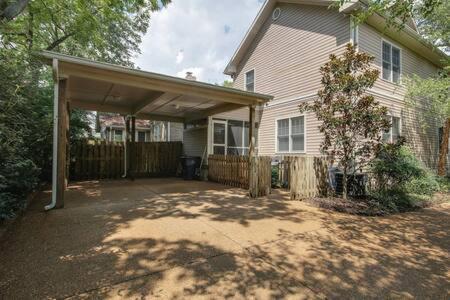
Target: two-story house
[{"x": 281, "y": 55}]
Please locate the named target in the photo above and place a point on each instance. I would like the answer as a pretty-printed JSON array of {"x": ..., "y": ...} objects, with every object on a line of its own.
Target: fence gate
[
  {"x": 308, "y": 176},
  {"x": 233, "y": 170}
]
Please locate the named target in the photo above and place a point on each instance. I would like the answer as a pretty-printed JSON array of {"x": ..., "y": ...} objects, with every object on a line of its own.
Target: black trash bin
[{"x": 190, "y": 164}]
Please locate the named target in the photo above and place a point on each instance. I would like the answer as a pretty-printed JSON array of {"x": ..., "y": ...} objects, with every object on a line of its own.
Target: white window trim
[
  {"x": 401, "y": 62},
  {"x": 224, "y": 122},
  {"x": 290, "y": 143},
  {"x": 254, "y": 80},
  {"x": 400, "y": 124}
]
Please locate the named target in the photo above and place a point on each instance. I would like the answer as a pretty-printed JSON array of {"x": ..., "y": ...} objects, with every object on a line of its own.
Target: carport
[{"x": 90, "y": 85}]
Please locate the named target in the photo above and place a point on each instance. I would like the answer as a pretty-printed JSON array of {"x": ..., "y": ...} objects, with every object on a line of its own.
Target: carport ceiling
[{"x": 111, "y": 88}]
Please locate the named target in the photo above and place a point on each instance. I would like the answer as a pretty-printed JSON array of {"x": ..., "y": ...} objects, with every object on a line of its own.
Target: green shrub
[
  {"x": 275, "y": 183},
  {"x": 424, "y": 185},
  {"x": 401, "y": 180},
  {"x": 444, "y": 184},
  {"x": 394, "y": 165}
]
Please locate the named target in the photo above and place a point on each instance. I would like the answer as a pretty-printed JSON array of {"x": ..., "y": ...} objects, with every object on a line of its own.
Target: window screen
[
  {"x": 283, "y": 135},
  {"x": 386, "y": 61},
  {"x": 298, "y": 134},
  {"x": 391, "y": 62}
]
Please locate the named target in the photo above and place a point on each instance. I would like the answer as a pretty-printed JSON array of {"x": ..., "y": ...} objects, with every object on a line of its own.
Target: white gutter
[
  {"x": 251, "y": 96},
  {"x": 168, "y": 131},
  {"x": 55, "y": 133}
]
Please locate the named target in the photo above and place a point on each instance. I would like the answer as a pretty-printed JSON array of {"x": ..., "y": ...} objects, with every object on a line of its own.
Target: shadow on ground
[{"x": 173, "y": 239}]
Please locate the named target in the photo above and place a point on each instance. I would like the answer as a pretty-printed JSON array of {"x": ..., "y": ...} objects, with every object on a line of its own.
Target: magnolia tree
[{"x": 351, "y": 120}]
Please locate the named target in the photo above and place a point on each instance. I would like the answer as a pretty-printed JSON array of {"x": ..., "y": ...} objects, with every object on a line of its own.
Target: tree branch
[
  {"x": 59, "y": 41},
  {"x": 13, "y": 10}
]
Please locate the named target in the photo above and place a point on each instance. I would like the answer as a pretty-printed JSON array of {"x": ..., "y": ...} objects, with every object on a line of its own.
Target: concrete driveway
[{"x": 167, "y": 238}]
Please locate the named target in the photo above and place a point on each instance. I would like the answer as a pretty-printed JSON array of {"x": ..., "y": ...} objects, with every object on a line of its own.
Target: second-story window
[
  {"x": 391, "y": 62},
  {"x": 250, "y": 81}
]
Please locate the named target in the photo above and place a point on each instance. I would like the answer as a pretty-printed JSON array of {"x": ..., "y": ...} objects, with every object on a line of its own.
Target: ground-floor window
[
  {"x": 392, "y": 135},
  {"x": 230, "y": 137},
  {"x": 141, "y": 136},
  {"x": 117, "y": 135},
  {"x": 290, "y": 135}
]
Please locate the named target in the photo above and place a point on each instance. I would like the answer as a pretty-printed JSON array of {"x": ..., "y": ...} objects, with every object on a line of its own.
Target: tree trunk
[
  {"x": 344, "y": 183},
  {"x": 442, "y": 166}
]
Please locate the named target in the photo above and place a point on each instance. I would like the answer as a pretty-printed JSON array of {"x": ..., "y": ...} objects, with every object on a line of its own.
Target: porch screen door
[{"x": 219, "y": 137}]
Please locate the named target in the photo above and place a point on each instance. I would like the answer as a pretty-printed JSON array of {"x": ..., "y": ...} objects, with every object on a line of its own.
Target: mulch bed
[{"x": 370, "y": 207}]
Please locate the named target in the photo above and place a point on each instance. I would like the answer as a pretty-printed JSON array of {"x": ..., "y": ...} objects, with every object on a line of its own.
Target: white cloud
[
  {"x": 196, "y": 71},
  {"x": 208, "y": 32},
  {"x": 180, "y": 57}
]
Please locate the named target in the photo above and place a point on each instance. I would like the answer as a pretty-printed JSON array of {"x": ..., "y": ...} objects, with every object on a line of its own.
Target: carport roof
[{"x": 98, "y": 86}]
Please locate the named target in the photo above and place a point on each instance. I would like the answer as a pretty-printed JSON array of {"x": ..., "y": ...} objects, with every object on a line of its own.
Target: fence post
[{"x": 253, "y": 174}]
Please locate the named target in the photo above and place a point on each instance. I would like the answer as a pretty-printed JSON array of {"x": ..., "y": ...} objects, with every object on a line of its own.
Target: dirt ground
[{"x": 169, "y": 239}]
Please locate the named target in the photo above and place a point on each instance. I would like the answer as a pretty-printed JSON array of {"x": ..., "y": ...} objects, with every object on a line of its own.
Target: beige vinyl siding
[
  {"x": 287, "y": 53},
  {"x": 370, "y": 41},
  {"x": 195, "y": 141},
  {"x": 286, "y": 56},
  {"x": 176, "y": 132},
  {"x": 267, "y": 131},
  {"x": 421, "y": 132}
]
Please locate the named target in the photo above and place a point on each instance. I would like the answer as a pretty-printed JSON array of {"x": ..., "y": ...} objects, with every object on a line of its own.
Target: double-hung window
[
  {"x": 291, "y": 134},
  {"x": 392, "y": 135},
  {"x": 141, "y": 136},
  {"x": 250, "y": 81},
  {"x": 391, "y": 62},
  {"x": 118, "y": 135}
]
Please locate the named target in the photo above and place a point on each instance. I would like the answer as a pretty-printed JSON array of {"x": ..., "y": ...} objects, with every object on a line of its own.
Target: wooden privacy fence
[
  {"x": 308, "y": 176},
  {"x": 234, "y": 171},
  {"x": 230, "y": 170},
  {"x": 105, "y": 160},
  {"x": 96, "y": 160},
  {"x": 156, "y": 158}
]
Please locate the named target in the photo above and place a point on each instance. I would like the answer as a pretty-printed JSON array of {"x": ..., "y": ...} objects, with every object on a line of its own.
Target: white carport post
[{"x": 60, "y": 126}]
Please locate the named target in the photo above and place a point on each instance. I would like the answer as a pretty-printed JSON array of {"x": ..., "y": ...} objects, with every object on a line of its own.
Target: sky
[{"x": 199, "y": 36}]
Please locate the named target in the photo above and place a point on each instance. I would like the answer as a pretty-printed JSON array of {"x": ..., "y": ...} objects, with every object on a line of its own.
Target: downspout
[
  {"x": 168, "y": 131},
  {"x": 55, "y": 133},
  {"x": 125, "y": 118}
]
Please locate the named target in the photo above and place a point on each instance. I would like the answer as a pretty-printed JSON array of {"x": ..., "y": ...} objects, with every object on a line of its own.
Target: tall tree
[
  {"x": 351, "y": 120},
  {"x": 106, "y": 30},
  {"x": 99, "y": 29}
]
